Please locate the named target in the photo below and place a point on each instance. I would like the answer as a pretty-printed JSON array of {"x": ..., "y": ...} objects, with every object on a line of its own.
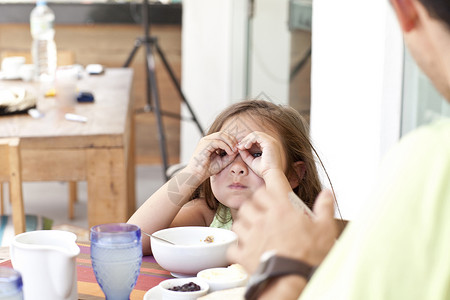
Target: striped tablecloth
[{"x": 151, "y": 275}]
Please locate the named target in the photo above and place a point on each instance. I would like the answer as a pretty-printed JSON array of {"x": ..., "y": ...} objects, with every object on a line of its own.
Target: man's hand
[{"x": 270, "y": 222}]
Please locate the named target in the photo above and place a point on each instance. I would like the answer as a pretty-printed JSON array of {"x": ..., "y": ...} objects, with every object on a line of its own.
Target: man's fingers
[
  {"x": 324, "y": 206},
  {"x": 249, "y": 209},
  {"x": 263, "y": 200},
  {"x": 233, "y": 254},
  {"x": 241, "y": 229}
]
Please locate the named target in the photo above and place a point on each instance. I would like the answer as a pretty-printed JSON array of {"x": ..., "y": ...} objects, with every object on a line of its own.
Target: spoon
[{"x": 158, "y": 238}]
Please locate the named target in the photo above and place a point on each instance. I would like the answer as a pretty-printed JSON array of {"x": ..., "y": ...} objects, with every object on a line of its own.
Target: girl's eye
[
  {"x": 255, "y": 151},
  {"x": 222, "y": 153},
  {"x": 257, "y": 154}
]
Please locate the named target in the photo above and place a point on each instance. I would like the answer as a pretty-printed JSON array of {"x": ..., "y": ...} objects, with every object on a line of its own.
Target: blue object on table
[
  {"x": 10, "y": 284},
  {"x": 84, "y": 97},
  {"x": 116, "y": 255}
]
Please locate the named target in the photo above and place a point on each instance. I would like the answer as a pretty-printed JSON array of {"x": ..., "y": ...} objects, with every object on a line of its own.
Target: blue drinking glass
[
  {"x": 116, "y": 254},
  {"x": 10, "y": 284}
]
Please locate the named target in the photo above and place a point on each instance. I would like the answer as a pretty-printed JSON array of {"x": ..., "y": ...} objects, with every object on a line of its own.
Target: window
[{"x": 421, "y": 103}]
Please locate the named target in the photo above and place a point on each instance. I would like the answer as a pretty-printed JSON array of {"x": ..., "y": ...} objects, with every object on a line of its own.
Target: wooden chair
[
  {"x": 65, "y": 58},
  {"x": 10, "y": 170}
]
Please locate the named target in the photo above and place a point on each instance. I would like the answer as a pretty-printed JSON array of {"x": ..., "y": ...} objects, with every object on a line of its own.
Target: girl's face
[{"x": 236, "y": 183}]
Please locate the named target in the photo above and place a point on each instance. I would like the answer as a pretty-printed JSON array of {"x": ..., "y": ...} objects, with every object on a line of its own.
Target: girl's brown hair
[{"x": 293, "y": 130}]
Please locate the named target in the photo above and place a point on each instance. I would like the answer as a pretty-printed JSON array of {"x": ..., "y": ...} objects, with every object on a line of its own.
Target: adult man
[{"x": 398, "y": 248}]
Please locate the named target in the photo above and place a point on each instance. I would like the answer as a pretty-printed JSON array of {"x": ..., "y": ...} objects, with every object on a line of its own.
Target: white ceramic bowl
[
  {"x": 192, "y": 253},
  {"x": 167, "y": 294},
  {"x": 224, "y": 278}
]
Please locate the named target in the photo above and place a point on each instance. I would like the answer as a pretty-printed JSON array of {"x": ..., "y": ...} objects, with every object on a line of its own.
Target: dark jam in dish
[{"x": 187, "y": 287}]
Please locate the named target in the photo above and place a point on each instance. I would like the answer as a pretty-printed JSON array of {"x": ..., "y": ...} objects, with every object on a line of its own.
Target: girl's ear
[
  {"x": 406, "y": 13},
  {"x": 299, "y": 171}
]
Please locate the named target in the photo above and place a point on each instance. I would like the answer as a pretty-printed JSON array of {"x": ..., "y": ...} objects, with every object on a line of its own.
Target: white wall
[
  {"x": 270, "y": 50},
  {"x": 214, "y": 61},
  {"x": 355, "y": 91}
]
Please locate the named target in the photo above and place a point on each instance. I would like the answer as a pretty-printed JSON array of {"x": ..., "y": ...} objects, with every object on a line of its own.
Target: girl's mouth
[{"x": 237, "y": 186}]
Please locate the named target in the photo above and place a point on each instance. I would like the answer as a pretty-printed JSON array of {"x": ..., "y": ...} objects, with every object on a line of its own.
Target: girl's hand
[
  {"x": 261, "y": 152},
  {"x": 212, "y": 154}
]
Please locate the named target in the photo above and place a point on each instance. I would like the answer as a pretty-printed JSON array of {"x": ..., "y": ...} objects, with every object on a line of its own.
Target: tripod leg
[
  {"x": 137, "y": 44},
  {"x": 177, "y": 85},
  {"x": 152, "y": 86}
]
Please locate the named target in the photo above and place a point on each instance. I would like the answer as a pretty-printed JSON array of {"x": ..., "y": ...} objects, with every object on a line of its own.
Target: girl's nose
[{"x": 238, "y": 166}]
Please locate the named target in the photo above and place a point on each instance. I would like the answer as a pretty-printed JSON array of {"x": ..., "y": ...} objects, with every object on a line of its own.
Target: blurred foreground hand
[{"x": 270, "y": 222}]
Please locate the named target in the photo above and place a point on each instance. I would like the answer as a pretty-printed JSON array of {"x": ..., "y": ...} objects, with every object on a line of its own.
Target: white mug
[
  {"x": 11, "y": 66},
  {"x": 46, "y": 260}
]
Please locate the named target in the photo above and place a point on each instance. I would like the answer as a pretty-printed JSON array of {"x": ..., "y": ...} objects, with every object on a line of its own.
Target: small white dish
[
  {"x": 168, "y": 294},
  {"x": 224, "y": 278},
  {"x": 153, "y": 294}
]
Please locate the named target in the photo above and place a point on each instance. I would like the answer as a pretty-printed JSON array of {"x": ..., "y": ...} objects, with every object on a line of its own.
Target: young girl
[{"x": 251, "y": 144}]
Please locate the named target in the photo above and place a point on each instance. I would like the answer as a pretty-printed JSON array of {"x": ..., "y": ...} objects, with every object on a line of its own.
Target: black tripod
[{"x": 153, "y": 103}]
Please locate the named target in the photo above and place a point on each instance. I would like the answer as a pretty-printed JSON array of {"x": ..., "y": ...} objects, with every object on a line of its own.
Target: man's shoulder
[
  {"x": 437, "y": 128},
  {"x": 421, "y": 155},
  {"x": 432, "y": 137}
]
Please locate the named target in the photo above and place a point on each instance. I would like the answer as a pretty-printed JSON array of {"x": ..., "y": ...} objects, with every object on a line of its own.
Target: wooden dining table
[
  {"x": 99, "y": 151},
  {"x": 151, "y": 274}
]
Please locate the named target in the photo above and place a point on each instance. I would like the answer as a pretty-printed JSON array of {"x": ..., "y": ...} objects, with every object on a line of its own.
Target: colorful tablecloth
[{"x": 88, "y": 289}]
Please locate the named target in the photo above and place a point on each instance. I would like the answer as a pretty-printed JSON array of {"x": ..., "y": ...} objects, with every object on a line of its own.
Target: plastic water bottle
[{"x": 42, "y": 21}]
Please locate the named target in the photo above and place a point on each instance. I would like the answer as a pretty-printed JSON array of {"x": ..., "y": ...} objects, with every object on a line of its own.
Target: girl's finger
[
  {"x": 248, "y": 141},
  {"x": 216, "y": 145},
  {"x": 221, "y": 137},
  {"x": 255, "y": 137},
  {"x": 229, "y": 139},
  {"x": 246, "y": 156}
]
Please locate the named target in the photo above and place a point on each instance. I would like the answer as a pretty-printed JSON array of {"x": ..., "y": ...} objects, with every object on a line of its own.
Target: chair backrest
[{"x": 10, "y": 170}]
